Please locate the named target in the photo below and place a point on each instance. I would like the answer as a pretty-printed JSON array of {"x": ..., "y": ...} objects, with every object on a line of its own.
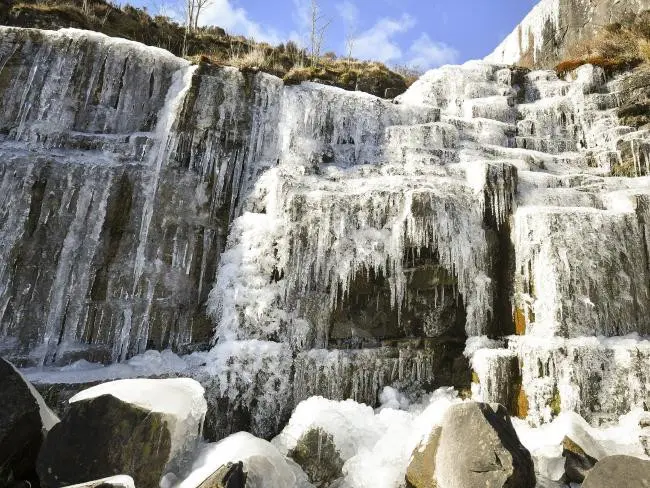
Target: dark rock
[
  {"x": 619, "y": 472},
  {"x": 577, "y": 462},
  {"x": 479, "y": 447},
  {"x": 109, "y": 430},
  {"x": 24, "y": 419},
  {"x": 231, "y": 475}
]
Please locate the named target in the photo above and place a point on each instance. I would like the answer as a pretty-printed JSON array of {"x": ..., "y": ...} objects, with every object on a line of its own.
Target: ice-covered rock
[
  {"x": 25, "y": 419},
  {"x": 263, "y": 465},
  {"x": 322, "y": 434},
  {"x": 119, "y": 481},
  {"x": 340, "y": 243},
  {"x": 140, "y": 427}
]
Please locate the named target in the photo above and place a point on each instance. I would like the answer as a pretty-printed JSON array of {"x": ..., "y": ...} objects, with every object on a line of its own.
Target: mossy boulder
[
  {"x": 317, "y": 455},
  {"x": 141, "y": 428},
  {"x": 24, "y": 419}
]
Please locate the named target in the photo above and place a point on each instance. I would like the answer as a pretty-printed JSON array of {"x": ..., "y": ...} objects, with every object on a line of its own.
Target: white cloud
[
  {"x": 349, "y": 12},
  {"x": 378, "y": 43},
  {"x": 425, "y": 53},
  {"x": 235, "y": 20}
]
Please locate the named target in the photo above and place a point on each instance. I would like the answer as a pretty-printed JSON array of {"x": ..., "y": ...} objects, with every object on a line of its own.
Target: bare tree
[
  {"x": 350, "y": 40},
  {"x": 319, "y": 25},
  {"x": 193, "y": 9},
  {"x": 199, "y": 5}
]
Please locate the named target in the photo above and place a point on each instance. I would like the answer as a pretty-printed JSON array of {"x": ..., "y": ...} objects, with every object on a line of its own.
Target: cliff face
[
  {"x": 547, "y": 33},
  {"x": 330, "y": 242}
]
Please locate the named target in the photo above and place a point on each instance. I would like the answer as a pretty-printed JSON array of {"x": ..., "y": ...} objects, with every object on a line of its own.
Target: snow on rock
[
  {"x": 264, "y": 466},
  {"x": 384, "y": 464},
  {"x": 139, "y": 427},
  {"x": 346, "y": 421},
  {"x": 181, "y": 399},
  {"x": 119, "y": 481}
]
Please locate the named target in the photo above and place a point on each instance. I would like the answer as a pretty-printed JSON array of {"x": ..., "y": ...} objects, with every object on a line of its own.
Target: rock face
[
  {"x": 340, "y": 243},
  {"x": 615, "y": 471},
  {"x": 317, "y": 455},
  {"x": 142, "y": 428},
  {"x": 24, "y": 421},
  {"x": 478, "y": 447},
  {"x": 543, "y": 38}
]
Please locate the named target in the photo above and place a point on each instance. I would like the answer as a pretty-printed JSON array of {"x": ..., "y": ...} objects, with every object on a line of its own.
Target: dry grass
[{"x": 211, "y": 45}]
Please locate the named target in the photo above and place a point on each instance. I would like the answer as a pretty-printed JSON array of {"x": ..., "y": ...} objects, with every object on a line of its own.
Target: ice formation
[{"x": 284, "y": 242}]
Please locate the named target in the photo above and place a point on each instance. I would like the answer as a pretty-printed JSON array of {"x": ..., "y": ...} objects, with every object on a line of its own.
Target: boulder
[
  {"x": 478, "y": 447},
  {"x": 421, "y": 470},
  {"x": 576, "y": 461},
  {"x": 230, "y": 475},
  {"x": 119, "y": 481},
  {"x": 143, "y": 428},
  {"x": 244, "y": 461},
  {"x": 617, "y": 472},
  {"x": 24, "y": 419},
  {"x": 316, "y": 453}
]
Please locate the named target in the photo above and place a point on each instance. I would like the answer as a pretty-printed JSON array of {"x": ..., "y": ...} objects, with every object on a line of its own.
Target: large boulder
[
  {"x": 24, "y": 419},
  {"x": 476, "y": 446},
  {"x": 617, "y": 472},
  {"x": 143, "y": 428},
  {"x": 244, "y": 461}
]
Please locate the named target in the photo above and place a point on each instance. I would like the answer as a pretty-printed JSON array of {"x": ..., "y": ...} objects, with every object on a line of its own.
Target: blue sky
[{"x": 423, "y": 33}]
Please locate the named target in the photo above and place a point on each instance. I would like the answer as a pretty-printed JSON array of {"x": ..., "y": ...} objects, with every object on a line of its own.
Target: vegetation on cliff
[
  {"x": 619, "y": 47},
  {"x": 208, "y": 44}
]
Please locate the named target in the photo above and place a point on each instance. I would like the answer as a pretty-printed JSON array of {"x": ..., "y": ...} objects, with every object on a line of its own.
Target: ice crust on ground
[{"x": 545, "y": 442}]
